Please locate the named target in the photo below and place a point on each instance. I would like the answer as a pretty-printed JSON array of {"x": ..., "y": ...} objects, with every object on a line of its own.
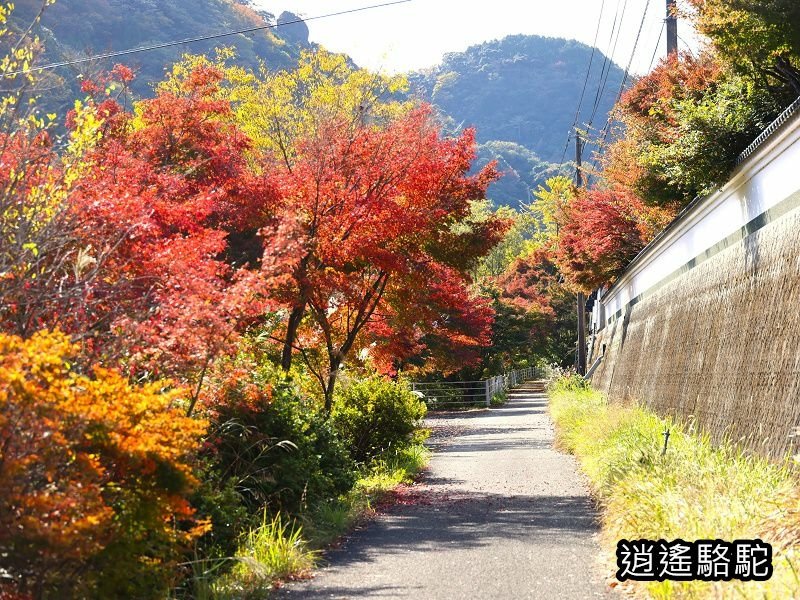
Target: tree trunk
[
  {"x": 332, "y": 375},
  {"x": 295, "y": 318},
  {"x": 790, "y": 73}
]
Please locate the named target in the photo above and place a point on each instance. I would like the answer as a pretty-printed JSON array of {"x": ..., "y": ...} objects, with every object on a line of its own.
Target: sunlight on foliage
[
  {"x": 697, "y": 490},
  {"x": 278, "y": 109},
  {"x": 92, "y": 467}
]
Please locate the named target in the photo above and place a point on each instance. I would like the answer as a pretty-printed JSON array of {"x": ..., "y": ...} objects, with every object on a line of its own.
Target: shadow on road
[
  {"x": 441, "y": 519},
  {"x": 497, "y": 494}
]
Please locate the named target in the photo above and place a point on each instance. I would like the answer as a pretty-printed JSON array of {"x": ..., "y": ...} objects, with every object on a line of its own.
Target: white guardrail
[{"x": 468, "y": 393}]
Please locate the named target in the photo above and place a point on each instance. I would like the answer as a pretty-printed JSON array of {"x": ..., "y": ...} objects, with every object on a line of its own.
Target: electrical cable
[
  {"x": 585, "y": 83},
  {"x": 688, "y": 47},
  {"x": 609, "y": 59},
  {"x": 607, "y": 128},
  {"x": 658, "y": 44},
  {"x": 608, "y": 63},
  {"x": 202, "y": 38}
]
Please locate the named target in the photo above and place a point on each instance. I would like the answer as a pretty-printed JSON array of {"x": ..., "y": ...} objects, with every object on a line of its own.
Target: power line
[
  {"x": 607, "y": 126},
  {"x": 688, "y": 47},
  {"x": 633, "y": 52},
  {"x": 585, "y": 83},
  {"x": 658, "y": 45},
  {"x": 609, "y": 60},
  {"x": 202, "y": 38},
  {"x": 608, "y": 63}
]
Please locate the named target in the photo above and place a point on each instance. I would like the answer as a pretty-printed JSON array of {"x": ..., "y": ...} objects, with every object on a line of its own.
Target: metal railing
[
  {"x": 454, "y": 394},
  {"x": 792, "y": 109}
]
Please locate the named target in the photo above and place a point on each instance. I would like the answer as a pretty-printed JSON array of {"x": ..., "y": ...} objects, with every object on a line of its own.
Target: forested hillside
[
  {"x": 77, "y": 28},
  {"x": 513, "y": 91},
  {"x": 523, "y": 171},
  {"x": 516, "y": 90}
]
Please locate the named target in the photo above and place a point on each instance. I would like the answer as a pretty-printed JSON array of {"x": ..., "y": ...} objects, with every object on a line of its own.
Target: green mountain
[
  {"x": 72, "y": 29},
  {"x": 522, "y": 171},
  {"x": 521, "y": 93}
]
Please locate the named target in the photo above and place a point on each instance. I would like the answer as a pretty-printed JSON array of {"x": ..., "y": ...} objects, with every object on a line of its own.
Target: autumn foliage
[
  {"x": 92, "y": 468},
  {"x": 684, "y": 124},
  {"x": 599, "y": 239},
  {"x": 168, "y": 200},
  {"x": 369, "y": 213},
  {"x": 301, "y": 214},
  {"x": 679, "y": 132}
]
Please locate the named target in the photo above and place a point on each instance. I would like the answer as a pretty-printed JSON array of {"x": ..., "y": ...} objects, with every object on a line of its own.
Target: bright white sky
[{"x": 415, "y": 35}]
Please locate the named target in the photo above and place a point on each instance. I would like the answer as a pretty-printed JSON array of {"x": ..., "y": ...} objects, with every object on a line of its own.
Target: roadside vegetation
[
  {"x": 209, "y": 300},
  {"x": 212, "y": 301},
  {"x": 212, "y": 297},
  {"x": 694, "y": 490}
]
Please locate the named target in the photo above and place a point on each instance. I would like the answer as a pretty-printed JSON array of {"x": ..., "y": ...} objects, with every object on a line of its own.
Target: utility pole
[
  {"x": 672, "y": 27},
  {"x": 581, "y": 354}
]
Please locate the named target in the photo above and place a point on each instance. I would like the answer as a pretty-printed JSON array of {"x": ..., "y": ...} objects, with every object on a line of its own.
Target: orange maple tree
[{"x": 90, "y": 465}]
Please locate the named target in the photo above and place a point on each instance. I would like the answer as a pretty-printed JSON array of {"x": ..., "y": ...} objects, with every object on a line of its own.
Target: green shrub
[
  {"x": 373, "y": 415},
  {"x": 499, "y": 399},
  {"x": 566, "y": 380},
  {"x": 329, "y": 520},
  {"x": 219, "y": 500},
  {"x": 268, "y": 448}
]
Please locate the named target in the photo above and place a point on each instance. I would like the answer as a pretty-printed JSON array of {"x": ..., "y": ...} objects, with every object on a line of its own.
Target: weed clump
[{"x": 695, "y": 490}]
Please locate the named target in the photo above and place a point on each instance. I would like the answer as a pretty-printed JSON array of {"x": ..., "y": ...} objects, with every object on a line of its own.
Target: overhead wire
[
  {"x": 607, "y": 128},
  {"x": 616, "y": 27},
  {"x": 585, "y": 83},
  {"x": 688, "y": 47},
  {"x": 609, "y": 63},
  {"x": 658, "y": 45},
  {"x": 202, "y": 38}
]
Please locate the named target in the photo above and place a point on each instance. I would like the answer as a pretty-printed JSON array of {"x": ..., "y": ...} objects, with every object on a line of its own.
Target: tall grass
[
  {"x": 281, "y": 548},
  {"x": 273, "y": 551},
  {"x": 696, "y": 490}
]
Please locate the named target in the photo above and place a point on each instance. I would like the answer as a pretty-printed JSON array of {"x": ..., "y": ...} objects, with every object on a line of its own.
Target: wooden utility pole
[
  {"x": 672, "y": 27},
  {"x": 581, "y": 350}
]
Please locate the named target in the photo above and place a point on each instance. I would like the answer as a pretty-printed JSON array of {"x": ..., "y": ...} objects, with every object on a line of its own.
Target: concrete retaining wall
[{"x": 705, "y": 324}]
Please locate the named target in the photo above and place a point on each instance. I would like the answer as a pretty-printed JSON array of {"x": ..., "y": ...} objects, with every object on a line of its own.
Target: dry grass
[{"x": 695, "y": 491}]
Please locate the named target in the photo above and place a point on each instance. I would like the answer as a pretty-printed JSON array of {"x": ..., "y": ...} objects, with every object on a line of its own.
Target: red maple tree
[
  {"x": 601, "y": 235},
  {"x": 172, "y": 205},
  {"x": 366, "y": 236}
]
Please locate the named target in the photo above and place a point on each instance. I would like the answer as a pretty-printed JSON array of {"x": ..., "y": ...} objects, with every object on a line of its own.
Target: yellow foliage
[
  {"x": 34, "y": 181},
  {"x": 87, "y": 461},
  {"x": 551, "y": 203},
  {"x": 277, "y": 109}
]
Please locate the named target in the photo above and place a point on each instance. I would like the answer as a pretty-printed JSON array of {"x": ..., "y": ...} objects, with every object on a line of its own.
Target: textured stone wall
[{"x": 720, "y": 343}]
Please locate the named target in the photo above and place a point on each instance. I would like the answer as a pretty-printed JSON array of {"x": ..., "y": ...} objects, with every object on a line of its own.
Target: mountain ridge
[
  {"x": 519, "y": 91},
  {"x": 75, "y": 29}
]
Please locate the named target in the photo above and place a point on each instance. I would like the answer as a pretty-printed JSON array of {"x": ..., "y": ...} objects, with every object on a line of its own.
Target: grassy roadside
[
  {"x": 695, "y": 491},
  {"x": 283, "y": 549},
  {"x": 326, "y": 523},
  {"x": 499, "y": 399}
]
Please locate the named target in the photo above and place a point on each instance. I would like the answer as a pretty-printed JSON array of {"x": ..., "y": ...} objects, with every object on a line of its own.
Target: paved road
[{"x": 500, "y": 514}]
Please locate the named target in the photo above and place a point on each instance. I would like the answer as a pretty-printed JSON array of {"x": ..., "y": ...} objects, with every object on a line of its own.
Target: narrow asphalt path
[{"x": 500, "y": 514}]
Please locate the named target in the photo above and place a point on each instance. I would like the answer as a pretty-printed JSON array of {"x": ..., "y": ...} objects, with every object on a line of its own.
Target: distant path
[{"x": 500, "y": 514}]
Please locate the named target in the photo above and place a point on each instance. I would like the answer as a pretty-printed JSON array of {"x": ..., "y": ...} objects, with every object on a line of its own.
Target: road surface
[{"x": 500, "y": 514}]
